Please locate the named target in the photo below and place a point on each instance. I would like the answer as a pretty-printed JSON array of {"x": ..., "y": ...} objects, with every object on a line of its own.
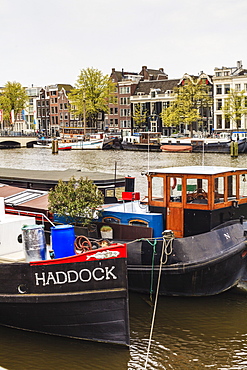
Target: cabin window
[
  {"x": 231, "y": 187},
  {"x": 111, "y": 220},
  {"x": 197, "y": 191},
  {"x": 219, "y": 189},
  {"x": 176, "y": 189},
  {"x": 158, "y": 189},
  {"x": 138, "y": 223},
  {"x": 243, "y": 186}
]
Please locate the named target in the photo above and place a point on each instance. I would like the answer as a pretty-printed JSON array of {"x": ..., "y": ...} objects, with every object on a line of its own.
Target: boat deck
[
  {"x": 13, "y": 257},
  {"x": 45, "y": 180}
]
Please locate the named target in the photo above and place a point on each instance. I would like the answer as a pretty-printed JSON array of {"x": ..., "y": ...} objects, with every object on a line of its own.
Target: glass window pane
[
  {"x": 231, "y": 187},
  {"x": 158, "y": 189},
  {"x": 243, "y": 186},
  {"x": 176, "y": 189},
  {"x": 197, "y": 191},
  {"x": 219, "y": 189}
]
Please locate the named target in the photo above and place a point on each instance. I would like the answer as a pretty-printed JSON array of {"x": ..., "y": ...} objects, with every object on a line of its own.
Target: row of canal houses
[{"x": 49, "y": 112}]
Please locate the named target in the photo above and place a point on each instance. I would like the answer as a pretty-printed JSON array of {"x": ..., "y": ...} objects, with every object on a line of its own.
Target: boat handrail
[{"x": 28, "y": 213}]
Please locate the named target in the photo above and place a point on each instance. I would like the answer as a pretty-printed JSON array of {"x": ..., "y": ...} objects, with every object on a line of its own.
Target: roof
[
  {"x": 121, "y": 75},
  {"x": 14, "y": 196},
  {"x": 163, "y": 85},
  {"x": 197, "y": 170}
]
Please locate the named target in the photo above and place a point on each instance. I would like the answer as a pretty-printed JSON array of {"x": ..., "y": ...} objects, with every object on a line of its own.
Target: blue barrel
[{"x": 63, "y": 237}]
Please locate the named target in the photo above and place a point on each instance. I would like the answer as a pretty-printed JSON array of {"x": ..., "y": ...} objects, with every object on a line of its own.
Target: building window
[
  {"x": 218, "y": 104},
  {"x": 227, "y": 122},
  {"x": 238, "y": 123},
  {"x": 125, "y": 90},
  {"x": 218, "y": 89},
  {"x": 124, "y": 112},
  {"x": 218, "y": 74},
  {"x": 219, "y": 122},
  {"x": 125, "y": 124},
  {"x": 227, "y": 89},
  {"x": 115, "y": 110},
  {"x": 166, "y": 104},
  {"x": 124, "y": 101},
  {"x": 237, "y": 87},
  {"x": 116, "y": 122},
  {"x": 111, "y": 110}
]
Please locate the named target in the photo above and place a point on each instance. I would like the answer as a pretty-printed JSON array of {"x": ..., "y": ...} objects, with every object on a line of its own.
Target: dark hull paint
[
  {"x": 141, "y": 147},
  {"x": 202, "y": 265},
  {"x": 218, "y": 147},
  {"x": 85, "y": 300}
]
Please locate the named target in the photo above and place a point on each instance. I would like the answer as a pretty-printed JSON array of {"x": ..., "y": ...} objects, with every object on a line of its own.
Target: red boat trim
[{"x": 110, "y": 252}]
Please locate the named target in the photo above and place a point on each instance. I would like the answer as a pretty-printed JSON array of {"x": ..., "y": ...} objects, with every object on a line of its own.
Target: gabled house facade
[
  {"x": 224, "y": 80},
  {"x": 120, "y": 117},
  {"x": 43, "y": 112},
  {"x": 205, "y": 126},
  {"x": 151, "y": 97}
]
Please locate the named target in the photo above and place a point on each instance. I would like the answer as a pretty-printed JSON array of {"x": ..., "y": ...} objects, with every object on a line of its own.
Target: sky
[{"x": 51, "y": 41}]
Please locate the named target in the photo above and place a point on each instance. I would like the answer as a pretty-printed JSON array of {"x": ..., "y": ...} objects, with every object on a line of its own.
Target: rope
[
  {"x": 145, "y": 239},
  {"x": 167, "y": 250},
  {"x": 152, "y": 271}
]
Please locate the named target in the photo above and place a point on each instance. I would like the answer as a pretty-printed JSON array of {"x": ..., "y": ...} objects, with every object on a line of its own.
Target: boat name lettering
[
  {"x": 227, "y": 236},
  {"x": 72, "y": 276}
]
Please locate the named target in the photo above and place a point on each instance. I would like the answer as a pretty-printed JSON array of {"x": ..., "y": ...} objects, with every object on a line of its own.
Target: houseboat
[
  {"x": 192, "y": 229},
  {"x": 74, "y": 292}
]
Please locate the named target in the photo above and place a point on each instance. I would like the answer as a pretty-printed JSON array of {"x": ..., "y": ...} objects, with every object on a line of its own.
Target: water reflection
[{"x": 189, "y": 333}]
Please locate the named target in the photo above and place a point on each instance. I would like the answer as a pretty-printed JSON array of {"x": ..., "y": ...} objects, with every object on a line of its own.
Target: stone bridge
[{"x": 7, "y": 142}]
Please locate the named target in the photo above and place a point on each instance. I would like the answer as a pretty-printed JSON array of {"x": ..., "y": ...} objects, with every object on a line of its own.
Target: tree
[
  {"x": 13, "y": 99},
  {"x": 235, "y": 107},
  {"x": 188, "y": 99},
  {"x": 92, "y": 93},
  {"x": 78, "y": 201},
  {"x": 140, "y": 115}
]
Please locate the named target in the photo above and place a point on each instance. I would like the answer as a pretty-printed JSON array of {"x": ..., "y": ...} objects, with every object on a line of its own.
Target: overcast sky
[{"x": 50, "y": 41}]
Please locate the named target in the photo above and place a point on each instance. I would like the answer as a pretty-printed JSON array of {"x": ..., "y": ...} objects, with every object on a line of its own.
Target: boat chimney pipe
[{"x": 130, "y": 184}]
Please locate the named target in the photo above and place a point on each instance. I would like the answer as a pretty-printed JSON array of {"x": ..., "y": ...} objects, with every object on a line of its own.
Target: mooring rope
[
  {"x": 168, "y": 237},
  {"x": 152, "y": 271}
]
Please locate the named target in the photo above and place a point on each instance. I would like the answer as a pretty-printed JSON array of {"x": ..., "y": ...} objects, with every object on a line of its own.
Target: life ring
[{"x": 174, "y": 183}]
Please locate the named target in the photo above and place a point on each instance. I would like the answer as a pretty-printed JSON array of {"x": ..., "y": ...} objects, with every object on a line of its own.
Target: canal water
[{"x": 189, "y": 333}]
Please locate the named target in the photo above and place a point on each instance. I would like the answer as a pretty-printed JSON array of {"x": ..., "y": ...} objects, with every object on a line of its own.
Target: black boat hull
[
  {"x": 93, "y": 316},
  {"x": 201, "y": 265},
  {"x": 141, "y": 147},
  {"x": 84, "y": 300}
]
